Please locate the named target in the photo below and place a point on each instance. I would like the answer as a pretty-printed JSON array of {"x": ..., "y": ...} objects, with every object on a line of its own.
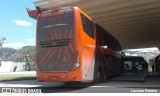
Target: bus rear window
[{"x": 55, "y": 23}]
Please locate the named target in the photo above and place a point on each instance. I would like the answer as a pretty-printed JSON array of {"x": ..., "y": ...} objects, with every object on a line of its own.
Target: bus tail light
[{"x": 76, "y": 63}]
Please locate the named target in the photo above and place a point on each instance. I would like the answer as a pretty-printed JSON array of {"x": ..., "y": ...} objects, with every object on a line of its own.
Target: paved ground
[
  {"x": 117, "y": 84},
  {"x": 130, "y": 77},
  {"x": 108, "y": 86}
]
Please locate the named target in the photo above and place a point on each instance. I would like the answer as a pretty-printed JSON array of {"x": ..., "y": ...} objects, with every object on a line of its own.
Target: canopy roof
[{"x": 135, "y": 23}]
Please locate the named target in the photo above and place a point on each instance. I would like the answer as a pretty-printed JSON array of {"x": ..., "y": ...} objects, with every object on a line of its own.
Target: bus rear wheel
[
  {"x": 99, "y": 75},
  {"x": 104, "y": 75}
]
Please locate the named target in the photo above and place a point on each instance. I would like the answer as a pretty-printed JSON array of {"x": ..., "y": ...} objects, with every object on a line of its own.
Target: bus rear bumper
[{"x": 59, "y": 77}]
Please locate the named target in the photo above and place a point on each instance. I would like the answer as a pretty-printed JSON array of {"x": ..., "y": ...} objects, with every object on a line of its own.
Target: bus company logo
[
  {"x": 6, "y": 90},
  {"x": 52, "y": 14},
  {"x": 64, "y": 59}
]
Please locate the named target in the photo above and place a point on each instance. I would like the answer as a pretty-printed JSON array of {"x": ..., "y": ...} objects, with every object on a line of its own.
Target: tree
[
  {"x": 2, "y": 41},
  {"x": 29, "y": 55}
]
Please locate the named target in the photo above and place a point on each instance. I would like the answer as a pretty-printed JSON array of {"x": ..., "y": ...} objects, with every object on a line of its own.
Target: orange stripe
[
  {"x": 45, "y": 56},
  {"x": 49, "y": 58},
  {"x": 59, "y": 53},
  {"x": 70, "y": 45},
  {"x": 68, "y": 55},
  {"x": 55, "y": 34},
  {"x": 70, "y": 33},
  {"x": 59, "y": 34}
]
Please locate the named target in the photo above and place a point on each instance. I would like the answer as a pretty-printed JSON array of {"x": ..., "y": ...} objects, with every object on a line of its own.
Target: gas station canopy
[{"x": 135, "y": 23}]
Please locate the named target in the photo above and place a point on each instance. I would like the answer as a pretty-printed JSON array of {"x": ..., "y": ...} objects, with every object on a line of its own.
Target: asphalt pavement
[{"x": 108, "y": 86}]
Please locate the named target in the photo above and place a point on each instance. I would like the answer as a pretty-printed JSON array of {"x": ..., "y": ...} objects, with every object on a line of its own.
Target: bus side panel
[
  {"x": 87, "y": 48},
  {"x": 88, "y": 63},
  {"x": 106, "y": 56}
]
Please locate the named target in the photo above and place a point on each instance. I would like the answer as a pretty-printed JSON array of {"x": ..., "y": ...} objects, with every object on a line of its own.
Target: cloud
[
  {"x": 22, "y": 22},
  {"x": 18, "y": 45}
]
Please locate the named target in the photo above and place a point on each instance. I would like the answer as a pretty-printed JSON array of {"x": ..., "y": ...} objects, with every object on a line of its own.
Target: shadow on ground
[{"x": 65, "y": 88}]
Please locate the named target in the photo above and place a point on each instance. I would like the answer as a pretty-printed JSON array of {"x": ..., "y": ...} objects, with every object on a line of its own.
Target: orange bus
[{"x": 70, "y": 47}]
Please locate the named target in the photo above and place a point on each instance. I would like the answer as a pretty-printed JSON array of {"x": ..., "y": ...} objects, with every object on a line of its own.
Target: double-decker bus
[{"x": 71, "y": 47}]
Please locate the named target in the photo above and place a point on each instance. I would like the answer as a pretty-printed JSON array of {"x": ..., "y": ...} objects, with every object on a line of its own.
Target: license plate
[{"x": 54, "y": 78}]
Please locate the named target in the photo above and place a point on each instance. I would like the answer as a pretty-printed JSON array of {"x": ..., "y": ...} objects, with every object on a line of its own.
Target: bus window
[{"x": 87, "y": 26}]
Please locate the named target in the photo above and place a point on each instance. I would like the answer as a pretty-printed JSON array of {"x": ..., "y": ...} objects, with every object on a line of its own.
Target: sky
[{"x": 15, "y": 24}]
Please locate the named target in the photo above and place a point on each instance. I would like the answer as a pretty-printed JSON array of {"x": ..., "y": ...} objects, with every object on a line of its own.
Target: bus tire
[
  {"x": 99, "y": 75},
  {"x": 104, "y": 75}
]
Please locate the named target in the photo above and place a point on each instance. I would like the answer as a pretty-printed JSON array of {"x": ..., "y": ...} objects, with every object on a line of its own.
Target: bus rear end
[{"x": 57, "y": 60}]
